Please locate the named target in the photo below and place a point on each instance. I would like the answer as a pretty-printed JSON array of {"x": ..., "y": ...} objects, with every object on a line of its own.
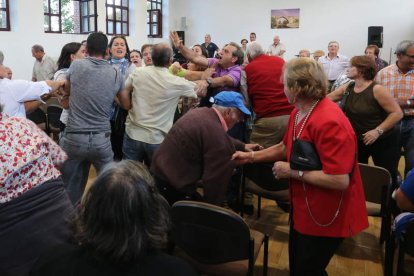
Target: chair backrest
[
  {"x": 262, "y": 175},
  {"x": 38, "y": 116},
  {"x": 208, "y": 233},
  {"x": 53, "y": 115},
  {"x": 376, "y": 181}
]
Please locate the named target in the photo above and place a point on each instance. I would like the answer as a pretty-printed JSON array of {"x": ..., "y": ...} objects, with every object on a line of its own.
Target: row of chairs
[
  {"x": 48, "y": 120},
  {"x": 217, "y": 241}
]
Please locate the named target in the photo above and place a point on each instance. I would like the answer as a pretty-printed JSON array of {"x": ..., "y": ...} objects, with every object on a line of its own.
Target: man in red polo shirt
[{"x": 263, "y": 84}]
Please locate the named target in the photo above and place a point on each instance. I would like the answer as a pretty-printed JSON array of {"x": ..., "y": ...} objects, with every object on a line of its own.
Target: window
[
  {"x": 117, "y": 17},
  {"x": 88, "y": 18},
  {"x": 4, "y": 15},
  {"x": 52, "y": 14},
  {"x": 154, "y": 18},
  {"x": 69, "y": 16}
]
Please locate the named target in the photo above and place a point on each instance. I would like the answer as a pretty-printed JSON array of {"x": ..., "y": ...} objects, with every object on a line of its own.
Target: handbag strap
[
  {"x": 340, "y": 201},
  {"x": 348, "y": 90},
  {"x": 311, "y": 214}
]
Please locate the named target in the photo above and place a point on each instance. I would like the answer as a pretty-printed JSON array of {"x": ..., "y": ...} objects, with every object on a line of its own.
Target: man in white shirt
[
  {"x": 154, "y": 99},
  {"x": 14, "y": 93},
  {"x": 277, "y": 48},
  {"x": 44, "y": 67},
  {"x": 334, "y": 64}
]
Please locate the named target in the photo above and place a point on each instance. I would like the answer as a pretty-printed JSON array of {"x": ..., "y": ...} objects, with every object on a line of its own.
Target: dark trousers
[
  {"x": 310, "y": 255},
  {"x": 385, "y": 152},
  {"x": 173, "y": 195}
]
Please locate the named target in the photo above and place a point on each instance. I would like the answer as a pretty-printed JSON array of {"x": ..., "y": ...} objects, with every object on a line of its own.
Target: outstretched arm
[{"x": 186, "y": 52}]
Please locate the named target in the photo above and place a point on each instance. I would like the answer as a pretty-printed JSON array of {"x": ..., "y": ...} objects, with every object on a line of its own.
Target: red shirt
[
  {"x": 335, "y": 141},
  {"x": 265, "y": 87}
]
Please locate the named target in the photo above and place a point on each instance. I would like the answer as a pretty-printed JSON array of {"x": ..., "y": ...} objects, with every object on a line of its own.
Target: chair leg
[
  {"x": 400, "y": 265},
  {"x": 251, "y": 258},
  {"x": 265, "y": 254},
  {"x": 242, "y": 192},
  {"x": 389, "y": 254},
  {"x": 259, "y": 205},
  {"x": 385, "y": 227}
]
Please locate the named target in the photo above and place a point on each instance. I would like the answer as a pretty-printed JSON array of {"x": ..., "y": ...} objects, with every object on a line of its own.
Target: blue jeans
[
  {"x": 407, "y": 142},
  {"x": 138, "y": 151},
  {"x": 83, "y": 150}
]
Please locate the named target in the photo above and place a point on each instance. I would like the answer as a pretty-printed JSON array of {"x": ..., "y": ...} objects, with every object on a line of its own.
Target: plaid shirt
[{"x": 399, "y": 85}]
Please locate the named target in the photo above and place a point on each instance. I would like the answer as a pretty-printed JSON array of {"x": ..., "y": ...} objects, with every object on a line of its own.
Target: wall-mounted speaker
[
  {"x": 375, "y": 35},
  {"x": 183, "y": 23}
]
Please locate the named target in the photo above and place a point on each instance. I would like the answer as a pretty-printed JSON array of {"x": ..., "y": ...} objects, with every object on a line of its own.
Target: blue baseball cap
[{"x": 230, "y": 99}]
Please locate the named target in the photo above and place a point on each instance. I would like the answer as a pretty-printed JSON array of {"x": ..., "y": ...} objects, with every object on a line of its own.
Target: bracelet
[
  {"x": 252, "y": 157},
  {"x": 380, "y": 131}
]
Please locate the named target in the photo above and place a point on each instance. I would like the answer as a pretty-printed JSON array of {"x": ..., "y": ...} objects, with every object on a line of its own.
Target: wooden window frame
[
  {"x": 88, "y": 16},
  {"x": 155, "y": 6},
  {"x": 50, "y": 14},
  {"x": 81, "y": 17},
  {"x": 7, "y": 11},
  {"x": 114, "y": 20}
]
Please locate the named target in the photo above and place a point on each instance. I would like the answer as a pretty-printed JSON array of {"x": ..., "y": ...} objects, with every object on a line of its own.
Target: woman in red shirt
[{"x": 328, "y": 204}]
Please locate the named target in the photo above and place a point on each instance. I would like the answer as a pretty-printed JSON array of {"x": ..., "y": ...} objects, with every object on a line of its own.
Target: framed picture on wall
[{"x": 284, "y": 19}]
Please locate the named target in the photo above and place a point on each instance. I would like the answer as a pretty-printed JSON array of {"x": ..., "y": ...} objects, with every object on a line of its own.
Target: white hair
[{"x": 254, "y": 49}]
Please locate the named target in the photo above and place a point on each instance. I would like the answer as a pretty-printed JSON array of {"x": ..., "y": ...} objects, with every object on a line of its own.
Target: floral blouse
[{"x": 28, "y": 157}]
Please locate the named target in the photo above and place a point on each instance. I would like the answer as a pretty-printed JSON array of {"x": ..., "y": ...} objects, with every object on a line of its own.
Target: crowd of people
[{"x": 159, "y": 131}]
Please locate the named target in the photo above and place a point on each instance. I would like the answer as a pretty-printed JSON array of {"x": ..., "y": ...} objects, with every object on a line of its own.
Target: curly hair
[
  {"x": 122, "y": 217},
  {"x": 365, "y": 66}
]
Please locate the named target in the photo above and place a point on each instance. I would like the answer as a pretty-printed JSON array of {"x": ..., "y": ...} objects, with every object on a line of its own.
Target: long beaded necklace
[
  {"x": 303, "y": 182},
  {"x": 304, "y": 122}
]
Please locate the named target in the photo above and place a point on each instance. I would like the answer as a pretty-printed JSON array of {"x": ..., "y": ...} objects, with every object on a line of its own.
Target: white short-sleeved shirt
[
  {"x": 154, "y": 99},
  {"x": 334, "y": 67}
]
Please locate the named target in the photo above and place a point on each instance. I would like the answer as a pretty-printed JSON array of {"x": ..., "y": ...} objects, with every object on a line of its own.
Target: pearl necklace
[{"x": 304, "y": 122}]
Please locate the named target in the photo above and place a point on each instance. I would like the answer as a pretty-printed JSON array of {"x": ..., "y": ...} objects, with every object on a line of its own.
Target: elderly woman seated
[
  {"x": 33, "y": 201},
  {"x": 120, "y": 228}
]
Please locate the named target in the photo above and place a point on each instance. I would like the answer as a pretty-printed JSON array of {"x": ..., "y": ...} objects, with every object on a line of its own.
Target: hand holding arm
[
  {"x": 273, "y": 153},
  {"x": 201, "y": 88}
]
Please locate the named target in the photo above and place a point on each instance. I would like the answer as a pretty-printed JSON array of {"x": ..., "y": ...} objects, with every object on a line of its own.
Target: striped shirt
[{"x": 398, "y": 84}]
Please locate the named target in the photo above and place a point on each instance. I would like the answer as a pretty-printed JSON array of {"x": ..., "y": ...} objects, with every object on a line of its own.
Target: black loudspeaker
[
  {"x": 181, "y": 34},
  {"x": 375, "y": 35}
]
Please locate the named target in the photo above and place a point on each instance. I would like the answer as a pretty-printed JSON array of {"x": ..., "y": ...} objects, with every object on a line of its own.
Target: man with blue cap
[{"x": 197, "y": 151}]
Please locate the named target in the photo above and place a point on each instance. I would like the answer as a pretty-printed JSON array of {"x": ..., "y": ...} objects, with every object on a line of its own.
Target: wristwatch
[
  {"x": 300, "y": 174},
  {"x": 209, "y": 82},
  {"x": 408, "y": 103},
  {"x": 380, "y": 131}
]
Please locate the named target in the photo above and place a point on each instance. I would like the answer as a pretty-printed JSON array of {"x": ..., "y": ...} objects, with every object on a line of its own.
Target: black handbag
[{"x": 304, "y": 156}]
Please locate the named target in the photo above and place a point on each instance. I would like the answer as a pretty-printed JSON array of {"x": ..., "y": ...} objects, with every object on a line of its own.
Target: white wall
[
  {"x": 227, "y": 20},
  {"x": 320, "y": 22},
  {"x": 27, "y": 30}
]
